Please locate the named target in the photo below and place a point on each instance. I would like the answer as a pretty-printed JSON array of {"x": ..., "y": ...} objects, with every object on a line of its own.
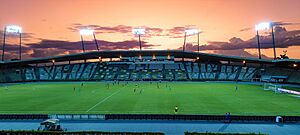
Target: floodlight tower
[
  {"x": 14, "y": 30},
  {"x": 87, "y": 32},
  {"x": 139, "y": 32},
  {"x": 191, "y": 32},
  {"x": 265, "y": 26}
]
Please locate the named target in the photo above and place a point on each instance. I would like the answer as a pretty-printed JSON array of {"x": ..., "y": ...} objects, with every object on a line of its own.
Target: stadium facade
[{"x": 155, "y": 65}]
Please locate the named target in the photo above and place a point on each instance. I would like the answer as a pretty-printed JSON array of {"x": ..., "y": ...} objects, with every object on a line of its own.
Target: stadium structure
[
  {"x": 250, "y": 103},
  {"x": 152, "y": 65}
]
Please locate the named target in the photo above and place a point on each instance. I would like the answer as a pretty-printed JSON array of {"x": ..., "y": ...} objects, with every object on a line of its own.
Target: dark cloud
[
  {"x": 236, "y": 46},
  {"x": 280, "y": 23},
  {"x": 246, "y": 29},
  {"x": 9, "y": 36},
  {"x": 123, "y": 29},
  {"x": 178, "y": 32},
  {"x": 48, "y": 48},
  {"x": 283, "y": 39},
  {"x": 89, "y": 45},
  {"x": 239, "y": 52},
  {"x": 276, "y": 24},
  {"x": 234, "y": 52},
  {"x": 175, "y": 32}
]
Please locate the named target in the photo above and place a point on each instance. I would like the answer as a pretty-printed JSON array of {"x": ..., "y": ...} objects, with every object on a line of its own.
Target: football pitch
[{"x": 144, "y": 98}]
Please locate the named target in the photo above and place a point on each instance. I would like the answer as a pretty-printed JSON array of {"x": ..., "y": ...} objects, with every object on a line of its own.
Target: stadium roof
[{"x": 133, "y": 53}]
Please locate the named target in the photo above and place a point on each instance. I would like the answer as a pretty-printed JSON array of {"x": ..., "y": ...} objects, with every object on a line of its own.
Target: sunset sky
[{"x": 51, "y": 27}]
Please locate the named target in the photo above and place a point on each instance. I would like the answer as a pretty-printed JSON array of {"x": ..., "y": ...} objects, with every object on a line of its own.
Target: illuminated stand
[
  {"x": 139, "y": 32},
  {"x": 191, "y": 32},
  {"x": 265, "y": 26},
  {"x": 14, "y": 30},
  {"x": 87, "y": 32}
]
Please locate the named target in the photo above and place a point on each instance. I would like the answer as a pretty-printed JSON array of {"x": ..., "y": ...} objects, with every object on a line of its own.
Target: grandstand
[
  {"x": 149, "y": 65},
  {"x": 205, "y": 87}
]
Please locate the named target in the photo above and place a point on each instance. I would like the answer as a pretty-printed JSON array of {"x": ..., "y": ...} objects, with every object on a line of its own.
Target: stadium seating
[{"x": 179, "y": 71}]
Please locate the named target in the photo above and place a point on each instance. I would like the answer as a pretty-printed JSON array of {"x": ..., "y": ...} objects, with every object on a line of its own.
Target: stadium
[
  {"x": 147, "y": 85},
  {"x": 138, "y": 67}
]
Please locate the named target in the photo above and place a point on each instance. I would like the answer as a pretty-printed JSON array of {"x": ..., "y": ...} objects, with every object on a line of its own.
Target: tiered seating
[
  {"x": 145, "y": 74},
  {"x": 58, "y": 73},
  {"x": 135, "y": 75},
  {"x": 169, "y": 75},
  {"x": 195, "y": 73},
  {"x": 99, "y": 73},
  {"x": 246, "y": 73},
  {"x": 171, "y": 66},
  {"x": 87, "y": 74},
  {"x": 111, "y": 73},
  {"x": 157, "y": 75},
  {"x": 269, "y": 72},
  {"x": 29, "y": 74},
  {"x": 44, "y": 73},
  {"x": 155, "y": 66},
  {"x": 180, "y": 75},
  {"x": 123, "y": 75},
  {"x": 295, "y": 77},
  {"x": 142, "y": 71}
]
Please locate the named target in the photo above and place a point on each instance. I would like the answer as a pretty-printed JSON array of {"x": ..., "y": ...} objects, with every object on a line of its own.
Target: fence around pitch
[
  {"x": 234, "y": 118},
  {"x": 23, "y": 116}
]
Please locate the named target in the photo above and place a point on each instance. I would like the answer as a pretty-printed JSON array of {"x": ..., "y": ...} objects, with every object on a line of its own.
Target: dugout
[{"x": 279, "y": 79}]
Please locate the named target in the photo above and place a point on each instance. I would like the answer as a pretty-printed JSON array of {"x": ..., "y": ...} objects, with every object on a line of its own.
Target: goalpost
[{"x": 273, "y": 87}]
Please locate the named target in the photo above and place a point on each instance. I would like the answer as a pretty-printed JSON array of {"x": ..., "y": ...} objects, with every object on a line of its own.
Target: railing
[
  {"x": 77, "y": 116},
  {"x": 222, "y": 118},
  {"x": 23, "y": 116},
  {"x": 199, "y": 117}
]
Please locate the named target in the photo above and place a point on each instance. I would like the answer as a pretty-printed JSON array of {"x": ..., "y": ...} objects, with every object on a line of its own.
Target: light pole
[
  {"x": 87, "y": 32},
  {"x": 139, "y": 32},
  {"x": 14, "y": 30},
  {"x": 82, "y": 43},
  {"x": 198, "y": 41},
  {"x": 188, "y": 32},
  {"x": 265, "y": 26},
  {"x": 273, "y": 39},
  {"x": 96, "y": 42},
  {"x": 184, "y": 42},
  {"x": 258, "y": 44},
  {"x": 3, "y": 45}
]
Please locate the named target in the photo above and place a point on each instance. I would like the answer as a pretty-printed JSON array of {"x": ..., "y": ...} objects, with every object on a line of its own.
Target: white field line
[{"x": 102, "y": 101}]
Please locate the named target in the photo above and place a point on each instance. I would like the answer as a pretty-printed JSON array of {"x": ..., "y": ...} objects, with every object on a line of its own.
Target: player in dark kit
[{"x": 176, "y": 109}]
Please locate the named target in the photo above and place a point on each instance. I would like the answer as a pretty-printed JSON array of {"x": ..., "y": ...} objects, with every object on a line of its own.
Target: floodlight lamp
[
  {"x": 191, "y": 31},
  {"x": 153, "y": 56},
  {"x": 86, "y": 32},
  {"x": 263, "y": 26},
  {"x": 295, "y": 65},
  {"x": 169, "y": 56},
  {"x": 13, "y": 29},
  {"x": 138, "y": 31}
]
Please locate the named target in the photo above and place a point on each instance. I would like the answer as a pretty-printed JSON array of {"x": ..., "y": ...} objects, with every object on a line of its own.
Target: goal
[{"x": 271, "y": 86}]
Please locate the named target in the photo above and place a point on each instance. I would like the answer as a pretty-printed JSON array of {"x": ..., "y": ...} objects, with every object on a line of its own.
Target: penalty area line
[{"x": 103, "y": 100}]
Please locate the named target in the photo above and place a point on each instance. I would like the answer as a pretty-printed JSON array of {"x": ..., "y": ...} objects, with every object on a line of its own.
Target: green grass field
[{"x": 191, "y": 97}]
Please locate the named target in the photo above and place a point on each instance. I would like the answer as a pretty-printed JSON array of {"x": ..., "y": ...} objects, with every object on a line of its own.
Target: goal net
[{"x": 271, "y": 86}]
